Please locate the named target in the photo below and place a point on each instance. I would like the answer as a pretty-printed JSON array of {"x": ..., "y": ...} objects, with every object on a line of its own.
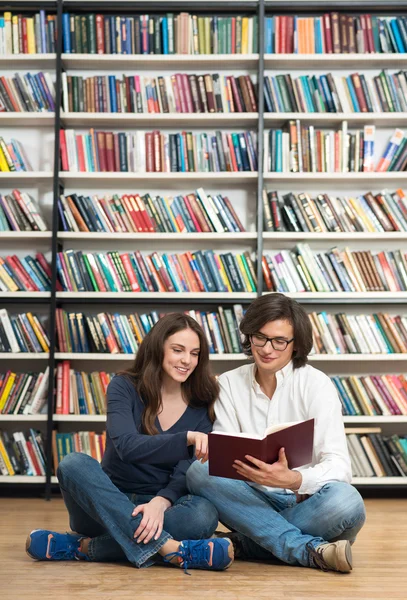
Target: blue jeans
[
  {"x": 273, "y": 524},
  {"x": 99, "y": 510}
]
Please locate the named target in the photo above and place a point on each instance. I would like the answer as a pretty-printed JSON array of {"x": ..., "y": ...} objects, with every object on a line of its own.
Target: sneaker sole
[
  {"x": 345, "y": 557},
  {"x": 28, "y": 544},
  {"x": 231, "y": 553}
]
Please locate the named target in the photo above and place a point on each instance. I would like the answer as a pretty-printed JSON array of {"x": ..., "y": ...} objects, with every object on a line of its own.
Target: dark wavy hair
[
  {"x": 275, "y": 307},
  {"x": 199, "y": 390}
]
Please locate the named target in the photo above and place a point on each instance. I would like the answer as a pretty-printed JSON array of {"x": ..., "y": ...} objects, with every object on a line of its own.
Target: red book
[
  {"x": 133, "y": 213},
  {"x": 192, "y": 215},
  {"x": 149, "y": 153},
  {"x": 296, "y": 438},
  {"x": 186, "y": 86},
  {"x": 290, "y": 35},
  {"x": 277, "y": 49},
  {"x": 365, "y": 33},
  {"x": 144, "y": 216},
  {"x": 130, "y": 273},
  {"x": 81, "y": 154},
  {"x": 328, "y": 34},
  {"x": 110, "y": 151},
  {"x": 10, "y": 94},
  {"x": 197, "y": 275},
  {"x": 162, "y": 271},
  {"x": 45, "y": 265},
  {"x": 100, "y": 34},
  {"x": 33, "y": 457},
  {"x": 232, "y": 152},
  {"x": 283, "y": 34},
  {"x": 116, "y": 153},
  {"x": 60, "y": 328},
  {"x": 15, "y": 264},
  {"x": 156, "y": 275},
  {"x": 65, "y": 387},
  {"x": 234, "y": 36},
  {"x": 236, "y": 97},
  {"x": 181, "y": 93},
  {"x": 359, "y": 92},
  {"x": 142, "y": 266},
  {"x": 101, "y": 144},
  {"x": 176, "y": 92},
  {"x": 369, "y": 31},
  {"x": 64, "y": 153},
  {"x": 25, "y": 39}
]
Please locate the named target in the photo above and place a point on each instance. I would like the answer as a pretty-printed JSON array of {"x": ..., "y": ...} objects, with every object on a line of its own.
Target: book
[{"x": 225, "y": 448}]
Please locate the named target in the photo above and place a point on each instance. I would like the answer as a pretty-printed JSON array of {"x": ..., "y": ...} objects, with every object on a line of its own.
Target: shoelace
[
  {"x": 318, "y": 558},
  {"x": 195, "y": 555},
  {"x": 71, "y": 551}
]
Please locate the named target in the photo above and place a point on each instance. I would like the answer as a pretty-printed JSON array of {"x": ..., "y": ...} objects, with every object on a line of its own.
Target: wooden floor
[{"x": 380, "y": 566}]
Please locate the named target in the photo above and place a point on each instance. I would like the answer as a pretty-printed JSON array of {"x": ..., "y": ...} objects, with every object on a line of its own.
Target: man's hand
[
  {"x": 153, "y": 519},
  {"x": 275, "y": 475}
]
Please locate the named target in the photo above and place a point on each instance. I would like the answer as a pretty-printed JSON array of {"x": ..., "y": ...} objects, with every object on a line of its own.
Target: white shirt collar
[{"x": 282, "y": 375}]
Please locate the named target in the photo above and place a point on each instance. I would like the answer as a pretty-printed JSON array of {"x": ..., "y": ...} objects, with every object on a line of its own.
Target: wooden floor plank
[{"x": 380, "y": 566}]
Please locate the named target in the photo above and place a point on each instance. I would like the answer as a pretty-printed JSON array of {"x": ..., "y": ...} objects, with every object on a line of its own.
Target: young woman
[{"x": 135, "y": 505}]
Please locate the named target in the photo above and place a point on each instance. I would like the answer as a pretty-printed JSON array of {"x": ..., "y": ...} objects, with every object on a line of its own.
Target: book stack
[
  {"x": 169, "y": 33},
  {"x": 26, "y": 274},
  {"x": 304, "y": 270},
  {"x": 22, "y": 453},
  {"x": 201, "y": 271},
  {"x": 20, "y": 212},
  {"x": 194, "y": 213},
  {"x": 178, "y": 93},
  {"x": 88, "y": 442},
  {"x": 80, "y": 393},
  {"x": 34, "y": 34},
  {"x": 385, "y": 211},
  {"x": 342, "y": 333},
  {"x": 27, "y": 93},
  {"x": 372, "y": 395},
  {"x": 23, "y": 393},
  {"x": 333, "y": 94},
  {"x": 375, "y": 455},
  {"x": 156, "y": 152},
  {"x": 122, "y": 334},
  {"x": 335, "y": 33},
  {"x": 22, "y": 333},
  {"x": 13, "y": 157}
]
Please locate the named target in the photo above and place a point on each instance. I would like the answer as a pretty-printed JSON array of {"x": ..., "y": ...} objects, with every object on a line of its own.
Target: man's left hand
[{"x": 275, "y": 475}]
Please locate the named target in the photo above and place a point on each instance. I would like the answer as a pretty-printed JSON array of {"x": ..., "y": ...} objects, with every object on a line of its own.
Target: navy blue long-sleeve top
[{"x": 147, "y": 464}]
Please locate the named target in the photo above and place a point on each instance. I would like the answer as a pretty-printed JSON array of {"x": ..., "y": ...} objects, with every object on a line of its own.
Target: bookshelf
[{"x": 249, "y": 183}]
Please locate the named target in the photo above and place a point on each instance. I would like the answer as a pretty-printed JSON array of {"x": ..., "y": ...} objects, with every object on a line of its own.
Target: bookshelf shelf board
[
  {"x": 379, "y": 481},
  {"x": 125, "y": 177},
  {"x": 24, "y": 235},
  {"x": 145, "y": 296},
  {"x": 161, "y": 61},
  {"x": 376, "y": 419},
  {"x": 18, "y": 418},
  {"x": 26, "y": 176},
  {"x": 24, "y": 355},
  {"x": 22, "y": 479},
  {"x": 337, "y": 61},
  {"x": 24, "y": 295},
  {"x": 32, "y": 61},
  {"x": 176, "y": 237},
  {"x": 80, "y": 418},
  {"x": 163, "y": 119},
  {"x": 349, "y": 236},
  {"x": 130, "y": 357},
  {"x": 376, "y": 118},
  {"x": 348, "y": 297},
  {"x": 33, "y": 119},
  {"x": 368, "y": 178},
  {"x": 357, "y": 357}
]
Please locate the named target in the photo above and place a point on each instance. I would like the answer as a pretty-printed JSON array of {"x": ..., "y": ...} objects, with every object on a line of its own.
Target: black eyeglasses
[{"x": 257, "y": 339}]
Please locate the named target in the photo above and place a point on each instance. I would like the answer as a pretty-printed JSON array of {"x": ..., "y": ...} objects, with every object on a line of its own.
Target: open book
[{"x": 224, "y": 448}]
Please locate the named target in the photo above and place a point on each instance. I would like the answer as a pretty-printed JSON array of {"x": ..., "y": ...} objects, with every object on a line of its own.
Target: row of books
[
  {"x": 33, "y": 34},
  {"x": 23, "y": 393},
  {"x": 156, "y": 152},
  {"x": 27, "y": 93},
  {"x": 195, "y": 212},
  {"x": 122, "y": 334},
  {"x": 88, "y": 442},
  {"x": 372, "y": 395},
  {"x": 27, "y": 274},
  {"x": 201, "y": 271},
  {"x": 22, "y": 333},
  {"x": 13, "y": 156},
  {"x": 178, "y": 93},
  {"x": 373, "y": 454},
  {"x": 306, "y": 270},
  {"x": 80, "y": 393},
  {"x": 20, "y": 212},
  {"x": 342, "y": 333},
  {"x": 303, "y": 149},
  {"x": 168, "y": 33},
  {"x": 336, "y": 33},
  {"x": 385, "y": 211},
  {"x": 22, "y": 453},
  {"x": 333, "y": 94}
]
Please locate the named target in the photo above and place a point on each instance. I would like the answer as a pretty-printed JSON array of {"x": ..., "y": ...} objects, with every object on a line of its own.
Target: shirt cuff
[
  {"x": 309, "y": 484},
  {"x": 168, "y": 494}
]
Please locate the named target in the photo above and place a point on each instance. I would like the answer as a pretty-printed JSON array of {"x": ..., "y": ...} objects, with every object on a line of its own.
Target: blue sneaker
[
  {"x": 42, "y": 544},
  {"x": 214, "y": 554}
]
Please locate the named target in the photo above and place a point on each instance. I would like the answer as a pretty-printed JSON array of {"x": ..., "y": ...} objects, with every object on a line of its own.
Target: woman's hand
[
  {"x": 200, "y": 441},
  {"x": 153, "y": 519},
  {"x": 275, "y": 475}
]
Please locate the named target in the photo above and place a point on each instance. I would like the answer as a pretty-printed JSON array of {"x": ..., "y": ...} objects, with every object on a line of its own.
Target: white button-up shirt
[{"x": 300, "y": 394}]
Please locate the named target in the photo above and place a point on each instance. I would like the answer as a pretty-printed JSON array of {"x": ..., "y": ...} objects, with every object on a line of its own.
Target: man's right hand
[{"x": 200, "y": 441}]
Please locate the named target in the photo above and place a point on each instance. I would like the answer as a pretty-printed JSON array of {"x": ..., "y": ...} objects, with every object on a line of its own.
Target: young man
[{"x": 308, "y": 516}]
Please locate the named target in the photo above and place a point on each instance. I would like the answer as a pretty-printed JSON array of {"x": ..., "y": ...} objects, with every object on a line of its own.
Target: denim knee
[
  {"x": 197, "y": 477},
  {"x": 75, "y": 462},
  {"x": 345, "y": 501},
  {"x": 205, "y": 517}
]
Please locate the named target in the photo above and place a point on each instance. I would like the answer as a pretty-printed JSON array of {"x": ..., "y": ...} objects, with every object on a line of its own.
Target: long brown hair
[{"x": 199, "y": 390}]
